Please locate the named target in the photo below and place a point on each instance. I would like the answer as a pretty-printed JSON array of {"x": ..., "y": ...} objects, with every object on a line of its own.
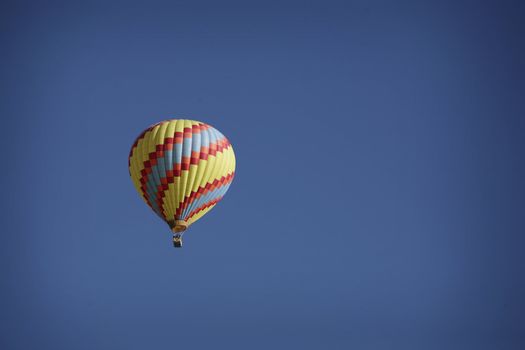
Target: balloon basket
[{"x": 177, "y": 241}]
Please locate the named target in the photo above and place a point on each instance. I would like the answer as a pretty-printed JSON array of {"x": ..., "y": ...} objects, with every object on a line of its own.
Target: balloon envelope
[{"x": 182, "y": 169}]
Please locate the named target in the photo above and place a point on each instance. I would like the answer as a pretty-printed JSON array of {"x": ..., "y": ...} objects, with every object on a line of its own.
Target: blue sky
[{"x": 378, "y": 200}]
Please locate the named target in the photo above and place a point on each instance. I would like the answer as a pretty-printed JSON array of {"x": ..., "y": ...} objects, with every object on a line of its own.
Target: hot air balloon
[{"x": 181, "y": 169}]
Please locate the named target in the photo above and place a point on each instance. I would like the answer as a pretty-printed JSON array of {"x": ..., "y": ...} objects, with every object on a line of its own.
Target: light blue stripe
[
  {"x": 178, "y": 153},
  {"x": 186, "y": 149},
  {"x": 205, "y": 139},
  {"x": 168, "y": 159}
]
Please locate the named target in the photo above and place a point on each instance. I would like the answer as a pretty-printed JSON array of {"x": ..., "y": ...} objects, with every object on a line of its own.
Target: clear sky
[{"x": 379, "y": 200}]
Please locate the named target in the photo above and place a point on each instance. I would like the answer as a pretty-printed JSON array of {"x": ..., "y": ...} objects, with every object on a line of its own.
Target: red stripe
[{"x": 204, "y": 206}]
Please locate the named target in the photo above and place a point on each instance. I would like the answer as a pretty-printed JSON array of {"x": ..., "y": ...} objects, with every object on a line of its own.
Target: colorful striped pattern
[{"x": 181, "y": 168}]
